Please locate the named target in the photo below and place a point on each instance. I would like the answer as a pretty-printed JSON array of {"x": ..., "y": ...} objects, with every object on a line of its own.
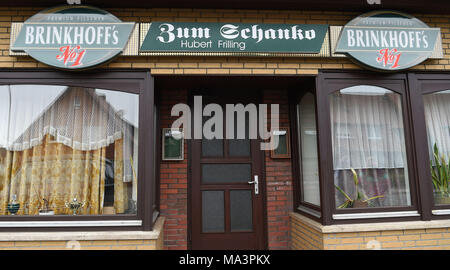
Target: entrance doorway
[{"x": 227, "y": 183}]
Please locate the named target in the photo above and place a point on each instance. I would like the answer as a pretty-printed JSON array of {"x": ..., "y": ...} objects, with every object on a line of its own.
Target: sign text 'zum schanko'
[{"x": 233, "y": 38}]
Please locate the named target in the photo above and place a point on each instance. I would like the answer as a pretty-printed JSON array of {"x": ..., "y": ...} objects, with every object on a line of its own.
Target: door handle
[{"x": 256, "y": 183}]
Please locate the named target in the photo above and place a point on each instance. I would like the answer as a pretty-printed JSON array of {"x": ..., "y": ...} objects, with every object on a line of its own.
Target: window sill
[
  {"x": 81, "y": 236},
  {"x": 441, "y": 212},
  {"x": 58, "y": 224},
  {"x": 376, "y": 215},
  {"x": 368, "y": 227},
  {"x": 310, "y": 211}
]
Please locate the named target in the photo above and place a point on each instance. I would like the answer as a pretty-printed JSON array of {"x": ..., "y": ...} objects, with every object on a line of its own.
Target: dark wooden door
[{"x": 226, "y": 212}]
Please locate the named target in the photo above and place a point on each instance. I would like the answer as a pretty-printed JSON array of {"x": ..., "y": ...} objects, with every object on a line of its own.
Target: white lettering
[
  {"x": 56, "y": 37},
  {"x": 351, "y": 38},
  {"x": 425, "y": 41},
  {"x": 403, "y": 39},
  {"x": 418, "y": 39},
  {"x": 384, "y": 42},
  {"x": 107, "y": 34},
  {"x": 374, "y": 38},
  {"x": 99, "y": 34},
  {"x": 310, "y": 34},
  {"x": 78, "y": 35},
  {"x": 40, "y": 35},
  {"x": 393, "y": 36},
  {"x": 89, "y": 36},
  {"x": 166, "y": 29},
  {"x": 67, "y": 39},
  {"x": 115, "y": 35},
  {"x": 229, "y": 31},
  {"x": 29, "y": 37},
  {"x": 359, "y": 38}
]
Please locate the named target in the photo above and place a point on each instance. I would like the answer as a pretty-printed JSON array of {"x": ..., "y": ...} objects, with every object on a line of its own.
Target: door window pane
[
  {"x": 437, "y": 117},
  {"x": 226, "y": 173},
  {"x": 240, "y": 147},
  {"x": 241, "y": 210},
  {"x": 213, "y": 211},
  {"x": 211, "y": 147},
  {"x": 308, "y": 145},
  {"x": 67, "y": 150},
  {"x": 368, "y": 139}
]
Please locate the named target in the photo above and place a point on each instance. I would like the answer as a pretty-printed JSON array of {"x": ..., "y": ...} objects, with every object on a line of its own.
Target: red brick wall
[
  {"x": 279, "y": 181},
  {"x": 174, "y": 182}
]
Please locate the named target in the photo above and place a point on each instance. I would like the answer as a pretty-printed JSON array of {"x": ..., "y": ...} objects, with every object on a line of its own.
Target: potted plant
[
  {"x": 360, "y": 200},
  {"x": 440, "y": 174}
]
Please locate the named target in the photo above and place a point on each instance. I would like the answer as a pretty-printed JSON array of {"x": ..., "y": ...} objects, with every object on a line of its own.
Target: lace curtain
[
  {"x": 368, "y": 136},
  {"x": 80, "y": 118},
  {"x": 56, "y": 143},
  {"x": 437, "y": 118}
]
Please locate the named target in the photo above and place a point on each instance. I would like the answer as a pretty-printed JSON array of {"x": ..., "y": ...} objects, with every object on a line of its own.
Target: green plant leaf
[
  {"x": 440, "y": 172},
  {"x": 343, "y": 193},
  {"x": 373, "y": 198},
  {"x": 356, "y": 182},
  {"x": 355, "y": 177}
]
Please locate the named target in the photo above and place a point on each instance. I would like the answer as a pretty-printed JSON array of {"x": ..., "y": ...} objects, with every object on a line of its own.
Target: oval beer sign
[
  {"x": 387, "y": 40},
  {"x": 73, "y": 37}
]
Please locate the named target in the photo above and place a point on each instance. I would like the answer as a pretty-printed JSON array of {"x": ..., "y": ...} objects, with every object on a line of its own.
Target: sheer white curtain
[
  {"x": 368, "y": 136},
  {"x": 81, "y": 118},
  {"x": 437, "y": 118}
]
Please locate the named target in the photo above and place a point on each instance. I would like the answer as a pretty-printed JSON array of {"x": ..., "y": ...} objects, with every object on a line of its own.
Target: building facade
[{"x": 98, "y": 169}]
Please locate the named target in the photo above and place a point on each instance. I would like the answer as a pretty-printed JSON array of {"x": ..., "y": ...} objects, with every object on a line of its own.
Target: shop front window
[
  {"x": 437, "y": 119},
  {"x": 67, "y": 151},
  {"x": 307, "y": 131},
  {"x": 368, "y": 144}
]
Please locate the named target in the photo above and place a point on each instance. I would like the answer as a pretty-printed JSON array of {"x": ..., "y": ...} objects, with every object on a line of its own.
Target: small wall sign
[
  {"x": 172, "y": 144},
  {"x": 387, "y": 40},
  {"x": 234, "y": 38},
  {"x": 73, "y": 37}
]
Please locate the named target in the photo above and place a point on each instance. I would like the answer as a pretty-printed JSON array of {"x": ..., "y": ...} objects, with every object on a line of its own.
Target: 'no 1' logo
[
  {"x": 387, "y": 57},
  {"x": 71, "y": 55}
]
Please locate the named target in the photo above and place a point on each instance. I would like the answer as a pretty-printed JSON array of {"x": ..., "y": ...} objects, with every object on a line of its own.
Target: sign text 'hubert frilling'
[
  {"x": 234, "y": 38},
  {"x": 387, "y": 40},
  {"x": 73, "y": 37}
]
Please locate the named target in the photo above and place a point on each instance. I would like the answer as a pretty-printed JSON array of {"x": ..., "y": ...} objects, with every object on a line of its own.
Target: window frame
[
  {"x": 422, "y": 84},
  {"x": 300, "y": 205},
  {"x": 329, "y": 82},
  {"x": 136, "y": 81}
]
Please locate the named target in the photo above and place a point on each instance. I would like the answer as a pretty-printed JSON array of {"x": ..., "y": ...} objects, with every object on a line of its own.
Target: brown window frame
[
  {"x": 300, "y": 205},
  {"x": 136, "y": 81},
  {"x": 421, "y": 84},
  {"x": 409, "y": 86},
  {"x": 330, "y": 82}
]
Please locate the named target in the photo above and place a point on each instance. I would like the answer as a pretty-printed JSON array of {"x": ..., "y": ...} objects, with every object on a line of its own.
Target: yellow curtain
[
  {"x": 57, "y": 173},
  {"x": 120, "y": 188}
]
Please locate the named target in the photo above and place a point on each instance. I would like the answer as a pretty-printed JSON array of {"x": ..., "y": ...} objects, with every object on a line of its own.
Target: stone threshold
[
  {"x": 86, "y": 235},
  {"x": 370, "y": 227}
]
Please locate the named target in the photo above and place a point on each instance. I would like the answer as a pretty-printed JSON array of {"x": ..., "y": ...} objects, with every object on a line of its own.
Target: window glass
[
  {"x": 308, "y": 148},
  {"x": 437, "y": 117},
  {"x": 67, "y": 151},
  {"x": 369, "y": 156}
]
